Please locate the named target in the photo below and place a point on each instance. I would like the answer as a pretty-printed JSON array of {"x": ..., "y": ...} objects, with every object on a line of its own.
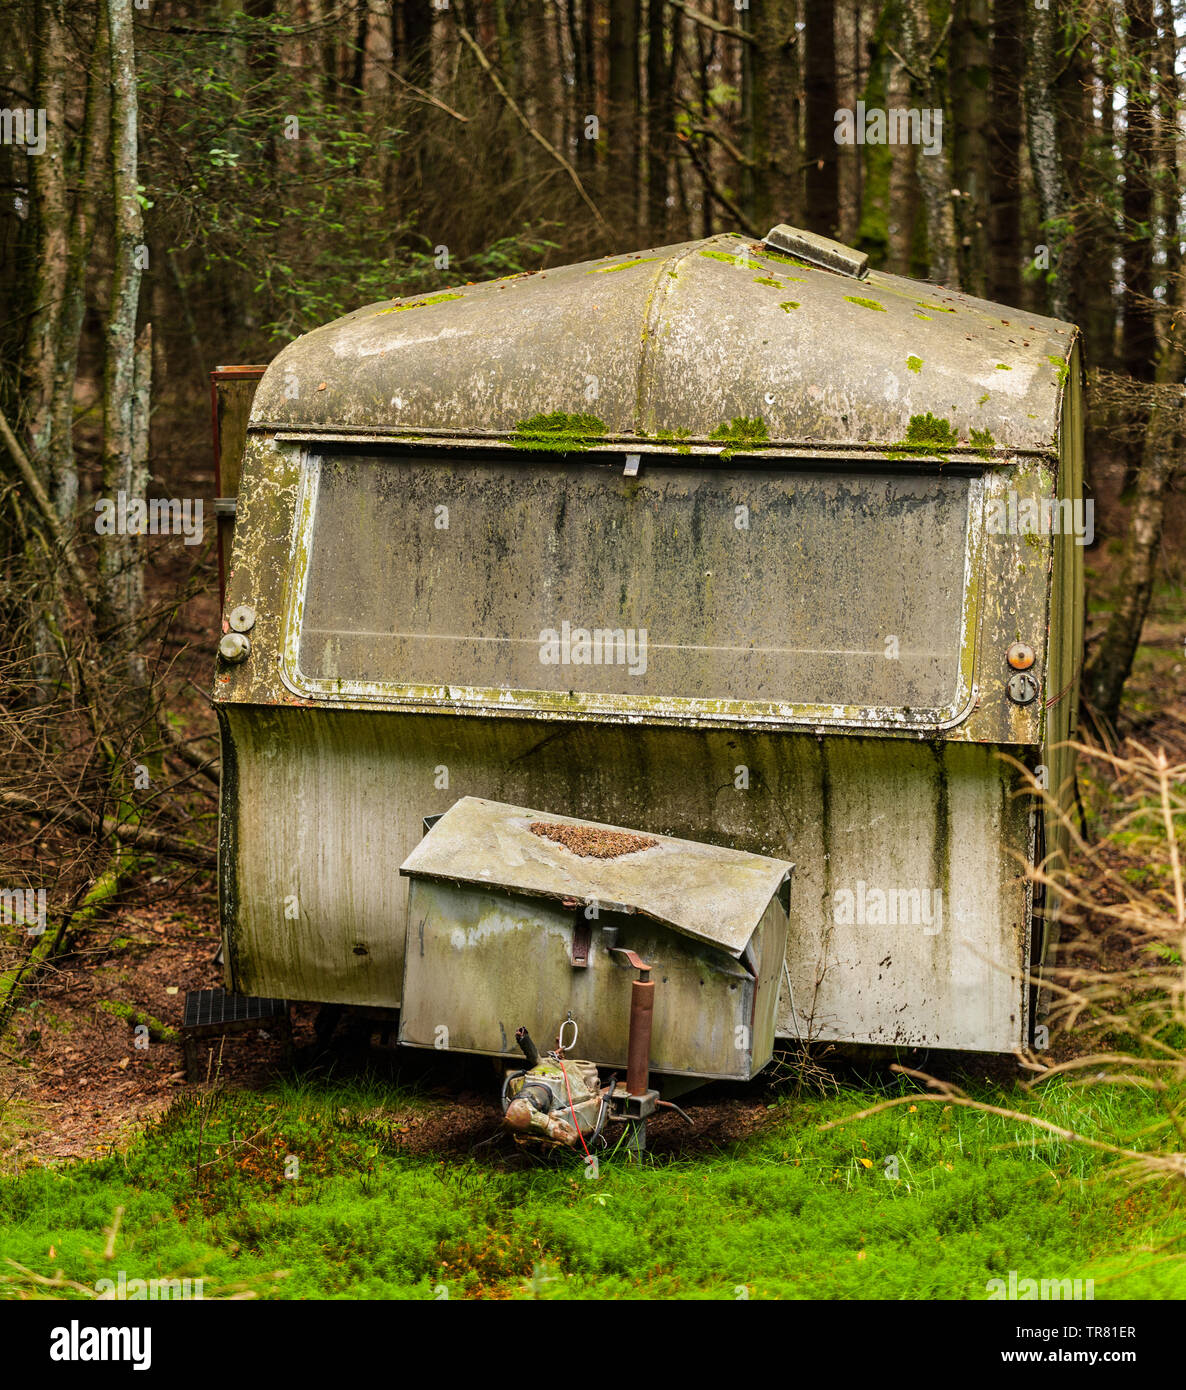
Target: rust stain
[{"x": 591, "y": 843}]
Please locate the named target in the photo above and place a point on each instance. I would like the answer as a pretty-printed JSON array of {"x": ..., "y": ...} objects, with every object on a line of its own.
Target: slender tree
[
  {"x": 660, "y": 120},
  {"x": 620, "y": 130},
  {"x": 822, "y": 184},
  {"x": 120, "y": 559},
  {"x": 1139, "y": 335},
  {"x": 1006, "y": 64},
  {"x": 970, "y": 76},
  {"x": 924, "y": 56},
  {"x": 1041, "y": 74}
]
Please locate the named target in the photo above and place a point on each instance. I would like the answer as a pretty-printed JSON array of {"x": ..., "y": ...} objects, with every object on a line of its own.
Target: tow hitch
[{"x": 559, "y": 1100}]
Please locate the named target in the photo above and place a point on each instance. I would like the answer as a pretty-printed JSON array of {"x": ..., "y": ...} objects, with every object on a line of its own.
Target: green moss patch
[
  {"x": 930, "y": 429},
  {"x": 421, "y": 303},
  {"x": 983, "y": 442},
  {"x": 783, "y": 259},
  {"x": 622, "y": 265},
  {"x": 925, "y": 434},
  {"x": 741, "y": 261},
  {"x": 740, "y": 432},
  {"x": 558, "y": 432},
  {"x": 865, "y": 303},
  {"x": 914, "y": 363},
  {"x": 789, "y": 304},
  {"x": 137, "y": 1018},
  {"x": 1063, "y": 369}
]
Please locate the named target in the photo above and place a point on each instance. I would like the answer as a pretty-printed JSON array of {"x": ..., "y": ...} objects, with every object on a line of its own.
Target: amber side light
[{"x": 1020, "y": 656}]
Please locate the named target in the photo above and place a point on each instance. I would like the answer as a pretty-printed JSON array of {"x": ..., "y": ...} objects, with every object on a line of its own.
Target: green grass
[{"x": 790, "y": 1213}]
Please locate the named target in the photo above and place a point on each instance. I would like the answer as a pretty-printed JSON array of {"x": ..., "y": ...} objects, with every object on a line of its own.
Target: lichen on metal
[{"x": 649, "y": 343}]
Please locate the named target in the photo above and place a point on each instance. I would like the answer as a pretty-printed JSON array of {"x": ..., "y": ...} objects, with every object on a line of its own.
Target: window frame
[{"x": 685, "y": 710}]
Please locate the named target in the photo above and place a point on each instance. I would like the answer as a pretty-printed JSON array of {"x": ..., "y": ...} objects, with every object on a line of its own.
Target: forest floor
[{"x": 365, "y": 1171}]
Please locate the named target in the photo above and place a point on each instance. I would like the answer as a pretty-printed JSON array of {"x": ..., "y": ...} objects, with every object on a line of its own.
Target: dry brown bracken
[{"x": 590, "y": 842}]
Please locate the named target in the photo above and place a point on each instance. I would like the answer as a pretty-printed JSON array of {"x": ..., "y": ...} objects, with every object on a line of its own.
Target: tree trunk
[
  {"x": 821, "y": 208},
  {"x": 63, "y": 473},
  {"x": 50, "y": 212},
  {"x": 1169, "y": 151},
  {"x": 622, "y": 126},
  {"x": 120, "y": 562},
  {"x": 775, "y": 147},
  {"x": 969, "y": 82},
  {"x": 1098, "y": 292},
  {"x": 659, "y": 122},
  {"x": 1139, "y": 337},
  {"x": 1072, "y": 97},
  {"x": 1045, "y": 54},
  {"x": 924, "y": 42},
  {"x": 1004, "y": 152}
]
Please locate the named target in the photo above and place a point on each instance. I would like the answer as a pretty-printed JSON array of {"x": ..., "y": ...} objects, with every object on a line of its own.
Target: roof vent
[{"x": 818, "y": 250}]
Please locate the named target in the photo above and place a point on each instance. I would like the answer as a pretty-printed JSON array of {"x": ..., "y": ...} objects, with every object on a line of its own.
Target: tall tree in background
[
  {"x": 121, "y": 571},
  {"x": 621, "y": 128},
  {"x": 970, "y": 75},
  {"x": 1139, "y": 335},
  {"x": 822, "y": 186},
  {"x": 49, "y": 208},
  {"x": 1006, "y": 64},
  {"x": 1041, "y": 73},
  {"x": 660, "y": 124},
  {"x": 1098, "y": 182},
  {"x": 924, "y": 55},
  {"x": 775, "y": 106}
]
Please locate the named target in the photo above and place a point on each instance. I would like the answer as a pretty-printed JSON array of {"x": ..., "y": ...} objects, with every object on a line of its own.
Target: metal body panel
[
  {"x": 682, "y": 341},
  {"x": 320, "y": 808},
  {"x": 482, "y": 962}
]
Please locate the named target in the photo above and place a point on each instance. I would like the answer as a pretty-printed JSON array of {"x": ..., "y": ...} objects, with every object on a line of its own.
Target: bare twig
[
  {"x": 426, "y": 96},
  {"x": 137, "y": 836},
  {"x": 486, "y": 67},
  {"x": 707, "y": 22},
  {"x": 715, "y": 191},
  {"x": 45, "y": 507}
]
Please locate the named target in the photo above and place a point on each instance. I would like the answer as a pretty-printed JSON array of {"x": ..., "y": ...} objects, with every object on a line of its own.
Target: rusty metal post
[{"x": 638, "y": 1056}]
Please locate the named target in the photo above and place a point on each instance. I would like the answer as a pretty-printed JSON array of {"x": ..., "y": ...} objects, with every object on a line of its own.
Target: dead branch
[
  {"x": 135, "y": 836},
  {"x": 715, "y": 191},
  {"x": 707, "y": 22},
  {"x": 45, "y": 507},
  {"x": 510, "y": 101}
]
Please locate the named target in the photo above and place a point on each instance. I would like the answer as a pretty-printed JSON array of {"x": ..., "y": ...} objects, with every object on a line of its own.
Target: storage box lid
[{"x": 711, "y": 894}]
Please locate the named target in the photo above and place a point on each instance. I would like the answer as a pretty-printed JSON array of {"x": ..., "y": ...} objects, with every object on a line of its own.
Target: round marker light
[
  {"x": 1020, "y": 656},
  {"x": 234, "y": 647}
]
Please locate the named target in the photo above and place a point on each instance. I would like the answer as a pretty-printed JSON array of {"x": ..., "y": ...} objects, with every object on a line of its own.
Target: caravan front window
[{"x": 704, "y": 587}]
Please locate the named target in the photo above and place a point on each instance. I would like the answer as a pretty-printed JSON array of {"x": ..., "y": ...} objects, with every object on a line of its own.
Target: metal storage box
[{"x": 509, "y": 926}]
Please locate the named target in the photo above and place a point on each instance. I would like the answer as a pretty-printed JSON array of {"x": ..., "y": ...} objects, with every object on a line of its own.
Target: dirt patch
[
  {"x": 75, "y": 1083},
  {"x": 591, "y": 842}
]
